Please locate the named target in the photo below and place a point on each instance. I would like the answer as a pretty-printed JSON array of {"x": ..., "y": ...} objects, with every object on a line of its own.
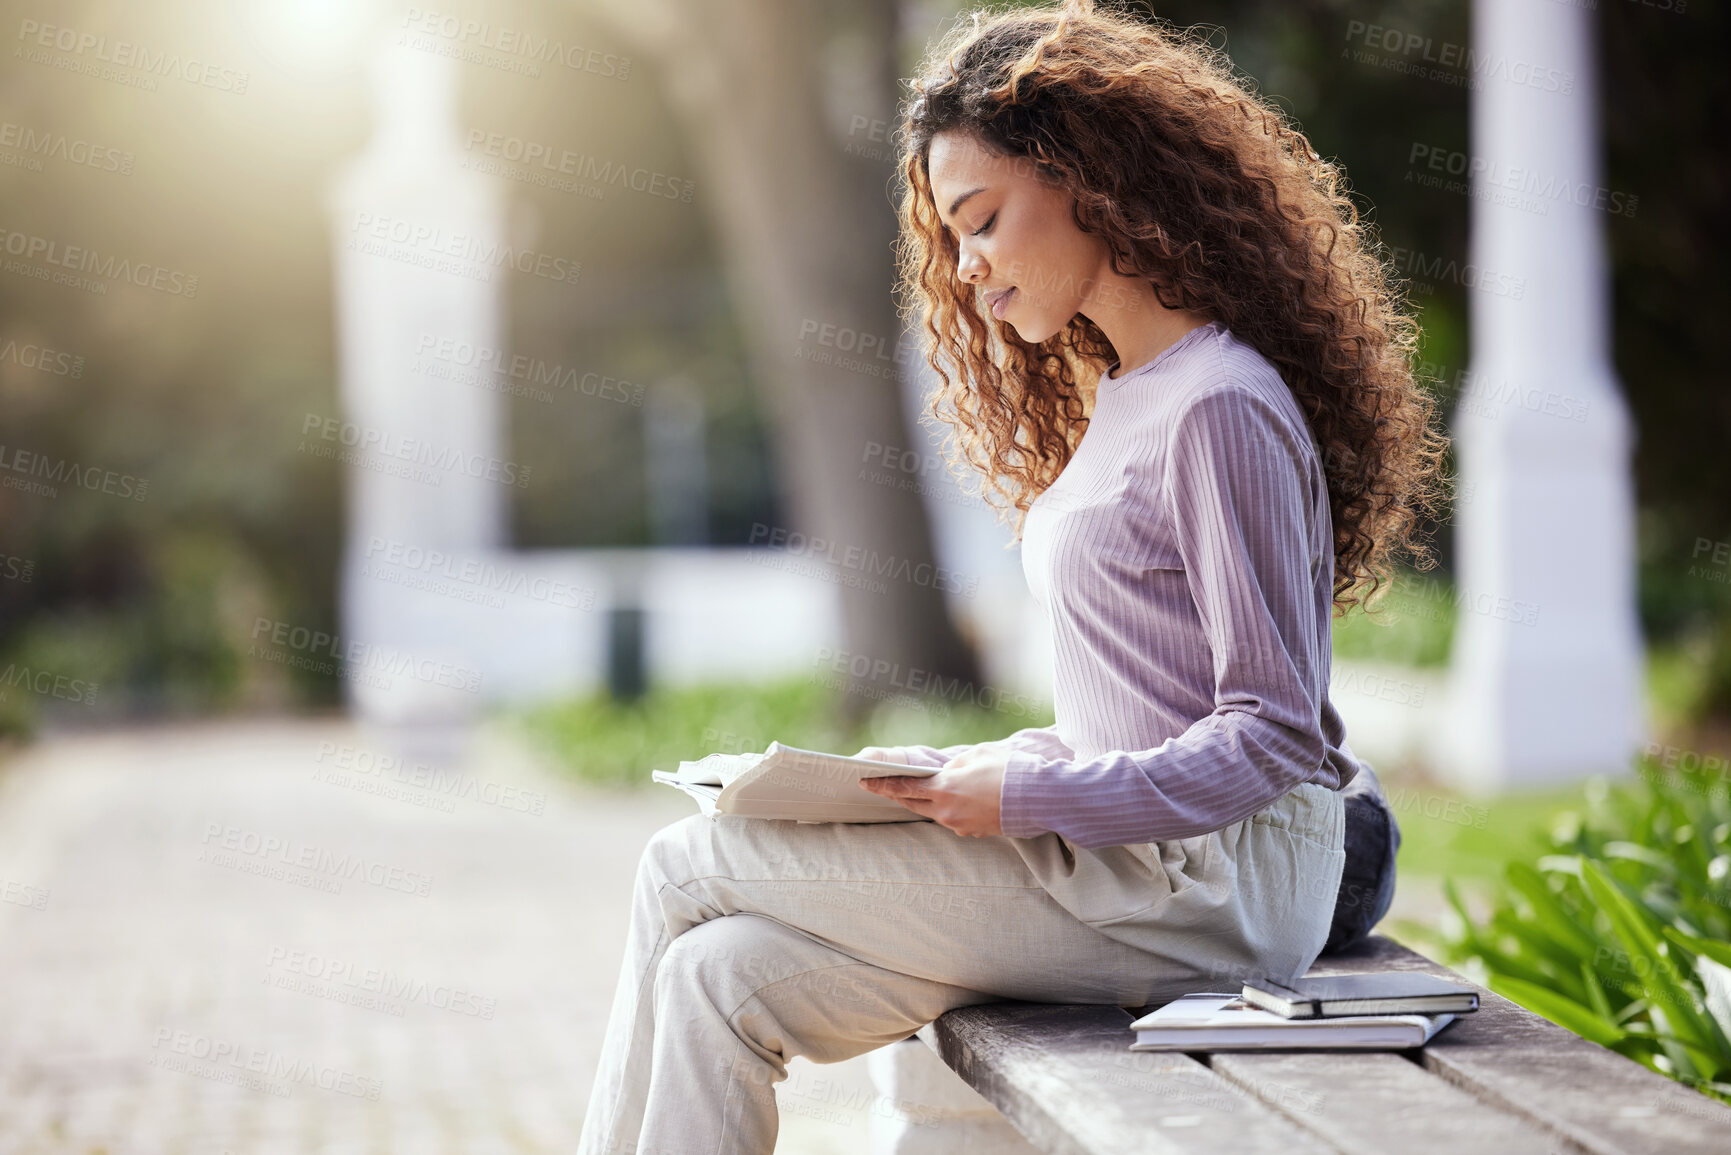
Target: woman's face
[{"x": 1021, "y": 249}]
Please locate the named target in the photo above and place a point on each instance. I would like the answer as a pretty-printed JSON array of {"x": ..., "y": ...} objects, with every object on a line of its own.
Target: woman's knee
[
  {"x": 667, "y": 856},
  {"x": 779, "y": 992},
  {"x": 728, "y": 959}
]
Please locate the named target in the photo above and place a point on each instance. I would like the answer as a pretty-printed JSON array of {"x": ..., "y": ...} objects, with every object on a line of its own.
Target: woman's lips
[{"x": 1000, "y": 301}]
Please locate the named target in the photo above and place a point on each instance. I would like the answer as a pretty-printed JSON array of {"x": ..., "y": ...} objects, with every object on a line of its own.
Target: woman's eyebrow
[{"x": 957, "y": 203}]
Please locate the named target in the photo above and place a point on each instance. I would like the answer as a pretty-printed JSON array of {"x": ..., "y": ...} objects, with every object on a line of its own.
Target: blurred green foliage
[
  {"x": 1619, "y": 929},
  {"x": 1472, "y": 844},
  {"x": 1412, "y": 624},
  {"x": 174, "y": 643},
  {"x": 613, "y": 743}
]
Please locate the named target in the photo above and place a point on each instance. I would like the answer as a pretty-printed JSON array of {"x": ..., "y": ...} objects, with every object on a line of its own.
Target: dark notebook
[{"x": 1383, "y": 993}]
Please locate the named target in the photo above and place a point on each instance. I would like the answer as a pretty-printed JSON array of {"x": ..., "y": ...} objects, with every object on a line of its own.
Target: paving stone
[{"x": 248, "y": 949}]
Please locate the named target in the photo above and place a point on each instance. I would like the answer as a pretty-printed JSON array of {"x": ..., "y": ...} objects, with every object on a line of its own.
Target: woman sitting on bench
[{"x": 1103, "y": 232}]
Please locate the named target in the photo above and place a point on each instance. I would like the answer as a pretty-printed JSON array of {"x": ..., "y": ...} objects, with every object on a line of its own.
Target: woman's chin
[{"x": 1031, "y": 332}]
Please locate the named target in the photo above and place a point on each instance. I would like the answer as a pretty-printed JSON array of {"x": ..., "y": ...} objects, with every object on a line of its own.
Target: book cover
[{"x": 1383, "y": 992}]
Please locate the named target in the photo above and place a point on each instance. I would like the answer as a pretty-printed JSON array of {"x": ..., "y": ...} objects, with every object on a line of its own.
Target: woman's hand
[
  {"x": 962, "y": 796},
  {"x": 884, "y": 754}
]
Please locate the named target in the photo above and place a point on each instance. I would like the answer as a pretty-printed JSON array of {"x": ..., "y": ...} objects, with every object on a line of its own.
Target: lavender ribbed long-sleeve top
[{"x": 1184, "y": 558}]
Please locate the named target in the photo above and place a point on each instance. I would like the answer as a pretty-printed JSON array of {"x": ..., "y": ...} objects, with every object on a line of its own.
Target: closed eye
[{"x": 985, "y": 226}]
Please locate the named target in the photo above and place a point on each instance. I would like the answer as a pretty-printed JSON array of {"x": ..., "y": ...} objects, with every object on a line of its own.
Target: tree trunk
[{"x": 806, "y": 228}]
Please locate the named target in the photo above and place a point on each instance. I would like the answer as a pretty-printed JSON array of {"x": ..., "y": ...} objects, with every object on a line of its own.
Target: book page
[
  {"x": 703, "y": 793},
  {"x": 812, "y": 786},
  {"x": 713, "y": 769}
]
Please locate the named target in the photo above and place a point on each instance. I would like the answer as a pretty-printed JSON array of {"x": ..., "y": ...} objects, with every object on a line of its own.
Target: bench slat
[
  {"x": 1510, "y": 1057},
  {"x": 1065, "y": 1077},
  {"x": 1374, "y": 1102}
]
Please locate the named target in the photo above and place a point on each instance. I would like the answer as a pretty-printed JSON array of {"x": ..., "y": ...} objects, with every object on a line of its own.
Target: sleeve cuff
[{"x": 1017, "y": 806}]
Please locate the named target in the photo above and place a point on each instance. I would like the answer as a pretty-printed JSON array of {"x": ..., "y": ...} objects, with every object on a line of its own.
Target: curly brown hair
[{"x": 1210, "y": 194}]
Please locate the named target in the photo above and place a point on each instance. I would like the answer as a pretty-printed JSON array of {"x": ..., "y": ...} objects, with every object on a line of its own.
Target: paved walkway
[{"x": 245, "y": 939}]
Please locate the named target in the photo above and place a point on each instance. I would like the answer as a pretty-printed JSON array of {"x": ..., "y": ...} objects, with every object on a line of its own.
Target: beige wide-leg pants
[{"x": 753, "y": 941}]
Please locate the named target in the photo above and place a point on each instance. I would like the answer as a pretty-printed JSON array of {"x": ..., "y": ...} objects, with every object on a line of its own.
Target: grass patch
[
  {"x": 614, "y": 744},
  {"x": 1679, "y": 680},
  {"x": 1413, "y": 625},
  {"x": 1474, "y": 837}
]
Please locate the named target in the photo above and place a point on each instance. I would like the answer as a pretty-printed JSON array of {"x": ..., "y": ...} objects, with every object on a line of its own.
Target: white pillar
[
  {"x": 1546, "y": 675},
  {"x": 412, "y": 231}
]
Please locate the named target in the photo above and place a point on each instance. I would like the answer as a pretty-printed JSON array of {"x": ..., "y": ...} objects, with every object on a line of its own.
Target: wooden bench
[{"x": 1498, "y": 1080}]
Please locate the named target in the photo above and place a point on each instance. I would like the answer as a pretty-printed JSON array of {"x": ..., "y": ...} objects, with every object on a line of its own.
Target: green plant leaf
[
  {"x": 1719, "y": 952},
  {"x": 1716, "y": 983},
  {"x": 1557, "y": 923},
  {"x": 1534, "y": 956},
  {"x": 1561, "y": 864},
  {"x": 1469, "y": 942},
  {"x": 1636, "y": 853},
  {"x": 1672, "y": 997},
  {"x": 1560, "y": 1009},
  {"x": 1596, "y": 994}
]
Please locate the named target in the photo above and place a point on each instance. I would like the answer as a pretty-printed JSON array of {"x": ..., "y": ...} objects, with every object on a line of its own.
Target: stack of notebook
[{"x": 1390, "y": 1010}]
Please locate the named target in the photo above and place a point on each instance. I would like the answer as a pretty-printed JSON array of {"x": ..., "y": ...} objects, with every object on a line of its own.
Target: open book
[{"x": 787, "y": 782}]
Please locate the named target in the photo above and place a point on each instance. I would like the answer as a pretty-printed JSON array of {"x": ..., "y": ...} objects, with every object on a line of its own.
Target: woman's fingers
[
  {"x": 906, "y": 791},
  {"x": 884, "y": 754},
  {"x": 919, "y": 804},
  {"x": 895, "y": 786}
]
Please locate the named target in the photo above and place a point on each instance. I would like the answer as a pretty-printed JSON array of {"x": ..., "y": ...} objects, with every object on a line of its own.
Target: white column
[
  {"x": 1546, "y": 675},
  {"x": 415, "y": 233}
]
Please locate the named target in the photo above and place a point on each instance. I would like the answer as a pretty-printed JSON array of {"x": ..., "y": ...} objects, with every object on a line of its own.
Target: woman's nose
[{"x": 970, "y": 265}]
